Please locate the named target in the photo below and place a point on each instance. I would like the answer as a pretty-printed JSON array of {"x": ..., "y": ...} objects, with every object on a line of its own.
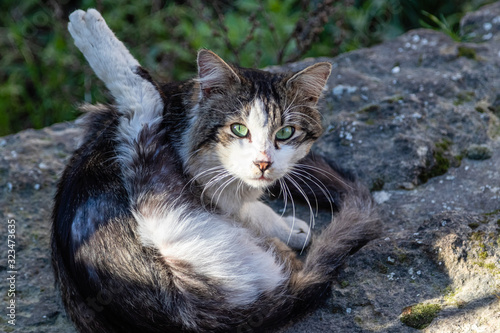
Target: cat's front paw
[{"x": 299, "y": 235}]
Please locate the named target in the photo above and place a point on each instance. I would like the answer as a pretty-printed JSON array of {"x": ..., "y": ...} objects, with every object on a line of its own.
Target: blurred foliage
[{"x": 43, "y": 76}]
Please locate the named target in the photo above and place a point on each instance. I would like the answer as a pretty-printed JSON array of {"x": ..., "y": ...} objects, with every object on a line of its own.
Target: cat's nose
[{"x": 263, "y": 165}]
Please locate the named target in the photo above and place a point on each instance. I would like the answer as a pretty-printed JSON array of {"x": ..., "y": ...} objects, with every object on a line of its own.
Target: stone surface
[
  {"x": 407, "y": 116},
  {"x": 30, "y": 164}
]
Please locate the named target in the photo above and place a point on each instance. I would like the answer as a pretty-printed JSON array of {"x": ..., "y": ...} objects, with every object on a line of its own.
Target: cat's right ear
[
  {"x": 214, "y": 74},
  {"x": 311, "y": 81}
]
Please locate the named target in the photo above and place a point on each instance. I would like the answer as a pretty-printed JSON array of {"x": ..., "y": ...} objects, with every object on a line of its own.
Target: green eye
[
  {"x": 239, "y": 130},
  {"x": 285, "y": 133}
]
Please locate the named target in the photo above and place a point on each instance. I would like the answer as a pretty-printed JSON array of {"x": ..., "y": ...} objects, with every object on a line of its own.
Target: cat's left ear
[
  {"x": 214, "y": 74},
  {"x": 311, "y": 81}
]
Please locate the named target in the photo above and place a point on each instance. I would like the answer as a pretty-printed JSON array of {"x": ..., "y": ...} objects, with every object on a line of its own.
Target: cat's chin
[{"x": 260, "y": 183}]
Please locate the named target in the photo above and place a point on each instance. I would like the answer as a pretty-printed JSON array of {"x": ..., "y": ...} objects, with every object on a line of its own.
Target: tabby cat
[{"x": 158, "y": 224}]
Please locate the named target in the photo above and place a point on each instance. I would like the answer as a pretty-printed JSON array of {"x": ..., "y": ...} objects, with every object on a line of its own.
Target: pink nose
[{"x": 263, "y": 165}]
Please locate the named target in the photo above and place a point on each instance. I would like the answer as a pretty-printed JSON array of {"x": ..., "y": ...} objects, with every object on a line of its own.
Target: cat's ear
[
  {"x": 214, "y": 74},
  {"x": 311, "y": 81}
]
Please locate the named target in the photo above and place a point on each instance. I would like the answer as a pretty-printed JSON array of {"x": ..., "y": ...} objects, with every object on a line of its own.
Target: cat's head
[{"x": 251, "y": 124}]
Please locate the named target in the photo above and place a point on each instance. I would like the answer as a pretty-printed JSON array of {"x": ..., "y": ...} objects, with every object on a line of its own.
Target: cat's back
[{"x": 91, "y": 178}]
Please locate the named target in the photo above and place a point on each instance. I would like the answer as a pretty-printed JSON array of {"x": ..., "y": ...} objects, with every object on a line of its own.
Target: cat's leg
[
  {"x": 114, "y": 65},
  {"x": 260, "y": 218},
  {"x": 286, "y": 254}
]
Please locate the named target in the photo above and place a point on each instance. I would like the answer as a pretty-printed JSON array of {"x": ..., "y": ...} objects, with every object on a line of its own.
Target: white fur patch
[
  {"x": 257, "y": 122},
  {"x": 240, "y": 156},
  {"x": 215, "y": 248}
]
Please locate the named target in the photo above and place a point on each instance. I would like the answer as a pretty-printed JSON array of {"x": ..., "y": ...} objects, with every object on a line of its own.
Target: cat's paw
[{"x": 299, "y": 235}]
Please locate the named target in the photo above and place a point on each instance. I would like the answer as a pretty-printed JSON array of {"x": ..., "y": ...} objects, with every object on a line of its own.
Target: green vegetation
[
  {"x": 444, "y": 144},
  {"x": 442, "y": 164},
  {"x": 402, "y": 257},
  {"x": 442, "y": 160},
  {"x": 482, "y": 254},
  {"x": 464, "y": 97},
  {"x": 482, "y": 244},
  {"x": 495, "y": 212},
  {"x": 449, "y": 295},
  {"x": 490, "y": 267},
  {"x": 381, "y": 268},
  {"x": 344, "y": 284},
  {"x": 420, "y": 316},
  {"x": 43, "y": 76},
  {"x": 378, "y": 183},
  {"x": 477, "y": 236},
  {"x": 393, "y": 99},
  {"x": 467, "y": 52},
  {"x": 473, "y": 225}
]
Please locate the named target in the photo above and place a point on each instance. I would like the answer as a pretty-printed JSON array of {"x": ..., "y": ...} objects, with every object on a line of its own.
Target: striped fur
[{"x": 157, "y": 223}]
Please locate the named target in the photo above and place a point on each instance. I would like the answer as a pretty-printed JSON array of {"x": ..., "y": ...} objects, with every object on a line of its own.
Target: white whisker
[
  {"x": 301, "y": 176},
  {"x": 287, "y": 192},
  {"x": 287, "y": 108},
  {"x": 214, "y": 180},
  {"x": 311, "y": 211},
  {"x": 320, "y": 185},
  {"x": 222, "y": 187},
  {"x": 302, "y": 115},
  {"x": 325, "y": 173},
  {"x": 200, "y": 175},
  {"x": 192, "y": 154},
  {"x": 285, "y": 196}
]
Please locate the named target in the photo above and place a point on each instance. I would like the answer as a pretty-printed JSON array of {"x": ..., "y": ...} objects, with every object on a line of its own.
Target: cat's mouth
[{"x": 261, "y": 181}]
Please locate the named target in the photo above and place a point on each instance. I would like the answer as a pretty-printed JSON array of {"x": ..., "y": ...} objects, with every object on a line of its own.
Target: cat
[{"x": 158, "y": 224}]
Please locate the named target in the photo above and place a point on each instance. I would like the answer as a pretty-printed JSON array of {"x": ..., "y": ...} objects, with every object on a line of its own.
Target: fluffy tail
[{"x": 356, "y": 223}]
